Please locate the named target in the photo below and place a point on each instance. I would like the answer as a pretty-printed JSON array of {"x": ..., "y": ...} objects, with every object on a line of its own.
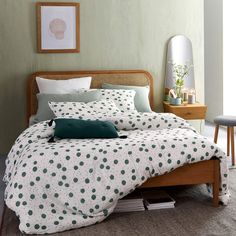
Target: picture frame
[{"x": 58, "y": 27}]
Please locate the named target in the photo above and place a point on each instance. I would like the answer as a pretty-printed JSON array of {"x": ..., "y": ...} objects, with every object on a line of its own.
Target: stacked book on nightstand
[
  {"x": 157, "y": 199},
  {"x": 131, "y": 202}
]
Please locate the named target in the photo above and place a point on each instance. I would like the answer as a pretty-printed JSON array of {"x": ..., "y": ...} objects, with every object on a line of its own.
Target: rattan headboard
[{"x": 124, "y": 77}]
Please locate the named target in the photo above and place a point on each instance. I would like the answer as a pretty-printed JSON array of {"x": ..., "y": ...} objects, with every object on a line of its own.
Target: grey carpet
[
  {"x": 2, "y": 185},
  {"x": 193, "y": 215}
]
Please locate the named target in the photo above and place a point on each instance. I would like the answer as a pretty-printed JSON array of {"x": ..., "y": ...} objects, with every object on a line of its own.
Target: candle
[
  {"x": 191, "y": 98},
  {"x": 185, "y": 96}
]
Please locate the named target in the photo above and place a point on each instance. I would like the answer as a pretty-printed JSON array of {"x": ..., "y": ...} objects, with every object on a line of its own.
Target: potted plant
[{"x": 180, "y": 73}]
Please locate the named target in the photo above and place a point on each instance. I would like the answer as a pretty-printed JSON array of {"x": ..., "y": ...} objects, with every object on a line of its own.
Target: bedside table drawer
[
  {"x": 191, "y": 113},
  {"x": 187, "y": 111}
]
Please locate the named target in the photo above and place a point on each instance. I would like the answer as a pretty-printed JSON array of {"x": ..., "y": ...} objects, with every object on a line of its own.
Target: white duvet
[{"x": 68, "y": 184}]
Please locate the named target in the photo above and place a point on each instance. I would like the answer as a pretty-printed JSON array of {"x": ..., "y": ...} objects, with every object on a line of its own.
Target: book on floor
[
  {"x": 147, "y": 199},
  {"x": 130, "y": 203},
  {"x": 157, "y": 199}
]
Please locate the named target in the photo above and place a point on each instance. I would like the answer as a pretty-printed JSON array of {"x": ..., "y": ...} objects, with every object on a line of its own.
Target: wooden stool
[{"x": 230, "y": 122}]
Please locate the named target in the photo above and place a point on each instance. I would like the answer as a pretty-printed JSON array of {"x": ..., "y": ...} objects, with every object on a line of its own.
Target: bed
[
  {"x": 203, "y": 172},
  {"x": 198, "y": 173}
]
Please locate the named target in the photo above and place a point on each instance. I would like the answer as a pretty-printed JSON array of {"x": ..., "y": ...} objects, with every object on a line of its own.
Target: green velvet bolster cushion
[{"x": 84, "y": 129}]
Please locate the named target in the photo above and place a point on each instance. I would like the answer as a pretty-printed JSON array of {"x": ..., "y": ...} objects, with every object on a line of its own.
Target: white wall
[
  {"x": 213, "y": 34},
  {"x": 229, "y": 32}
]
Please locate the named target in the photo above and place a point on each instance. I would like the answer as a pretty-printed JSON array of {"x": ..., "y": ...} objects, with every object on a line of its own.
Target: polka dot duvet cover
[{"x": 73, "y": 183}]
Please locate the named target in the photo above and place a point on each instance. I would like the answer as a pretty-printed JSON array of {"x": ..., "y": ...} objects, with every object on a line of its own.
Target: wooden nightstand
[{"x": 186, "y": 111}]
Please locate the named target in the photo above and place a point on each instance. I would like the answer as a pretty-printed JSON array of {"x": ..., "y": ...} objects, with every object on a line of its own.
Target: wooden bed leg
[
  {"x": 216, "y": 184},
  {"x": 215, "y": 195}
]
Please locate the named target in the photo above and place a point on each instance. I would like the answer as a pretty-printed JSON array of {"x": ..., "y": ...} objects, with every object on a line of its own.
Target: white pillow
[
  {"x": 63, "y": 86},
  {"x": 124, "y": 99},
  {"x": 81, "y": 110}
]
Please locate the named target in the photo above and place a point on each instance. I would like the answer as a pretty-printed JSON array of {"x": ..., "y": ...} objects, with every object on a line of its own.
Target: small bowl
[{"x": 176, "y": 101}]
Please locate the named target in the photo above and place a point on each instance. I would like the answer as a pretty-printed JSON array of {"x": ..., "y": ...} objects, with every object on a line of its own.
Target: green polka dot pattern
[
  {"x": 73, "y": 183},
  {"x": 81, "y": 110},
  {"x": 124, "y": 99}
]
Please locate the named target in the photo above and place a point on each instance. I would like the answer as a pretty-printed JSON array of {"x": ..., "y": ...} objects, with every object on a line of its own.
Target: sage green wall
[{"x": 115, "y": 34}]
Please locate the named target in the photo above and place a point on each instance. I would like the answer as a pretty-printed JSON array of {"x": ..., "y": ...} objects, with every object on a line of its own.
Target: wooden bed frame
[{"x": 197, "y": 173}]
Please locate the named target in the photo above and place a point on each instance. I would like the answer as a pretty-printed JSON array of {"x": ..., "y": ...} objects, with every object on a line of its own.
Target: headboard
[{"x": 124, "y": 77}]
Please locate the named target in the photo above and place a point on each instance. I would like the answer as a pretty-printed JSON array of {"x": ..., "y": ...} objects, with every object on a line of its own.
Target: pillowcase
[
  {"x": 45, "y": 113},
  {"x": 82, "y": 110},
  {"x": 124, "y": 99},
  {"x": 63, "y": 86},
  {"x": 141, "y": 99},
  {"x": 82, "y": 129}
]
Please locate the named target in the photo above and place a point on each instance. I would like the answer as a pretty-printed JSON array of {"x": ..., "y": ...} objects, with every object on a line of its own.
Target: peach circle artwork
[{"x": 57, "y": 27}]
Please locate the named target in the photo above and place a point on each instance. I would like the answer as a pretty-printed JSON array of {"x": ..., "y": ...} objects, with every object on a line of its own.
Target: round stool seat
[{"x": 225, "y": 120}]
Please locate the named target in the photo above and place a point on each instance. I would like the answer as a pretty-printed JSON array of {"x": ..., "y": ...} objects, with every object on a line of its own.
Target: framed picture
[{"x": 58, "y": 27}]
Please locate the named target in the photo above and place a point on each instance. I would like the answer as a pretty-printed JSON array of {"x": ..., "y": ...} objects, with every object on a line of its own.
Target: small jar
[
  {"x": 185, "y": 94},
  {"x": 191, "y": 96}
]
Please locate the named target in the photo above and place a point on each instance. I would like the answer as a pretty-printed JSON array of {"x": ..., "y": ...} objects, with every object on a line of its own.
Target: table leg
[
  {"x": 232, "y": 145},
  {"x": 228, "y": 140},
  {"x": 216, "y": 133}
]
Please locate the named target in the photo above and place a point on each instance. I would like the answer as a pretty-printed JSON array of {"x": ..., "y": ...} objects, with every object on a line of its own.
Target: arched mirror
[{"x": 179, "y": 53}]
